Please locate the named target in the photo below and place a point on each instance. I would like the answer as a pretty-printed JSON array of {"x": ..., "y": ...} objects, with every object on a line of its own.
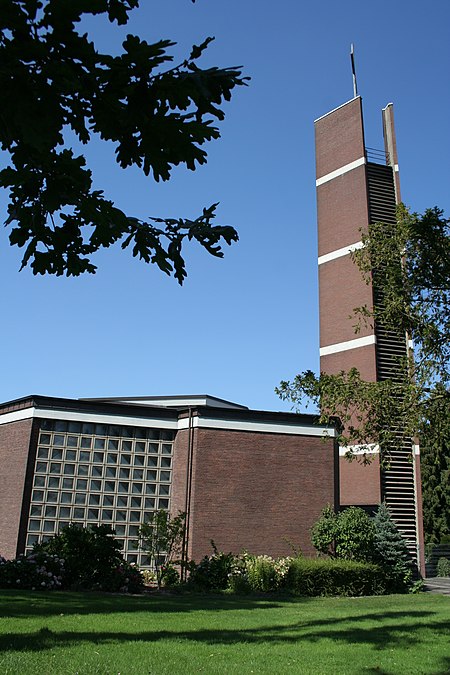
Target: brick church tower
[{"x": 357, "y": 186}]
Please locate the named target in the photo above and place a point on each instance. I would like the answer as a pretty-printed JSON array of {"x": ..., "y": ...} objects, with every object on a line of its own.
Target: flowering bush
[
  {"x": 92, "y": 560},
  {"x": 258, "y": 573},
  {"x": 37, "y": 571},
  {"x": 149, "y": 577},
  {"x": 122, "y": 578}
]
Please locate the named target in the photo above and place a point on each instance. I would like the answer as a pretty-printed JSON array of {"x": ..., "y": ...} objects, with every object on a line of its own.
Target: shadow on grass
[
  {"x": 381, "y": 631},
  {"x": 29, "y": 604}
]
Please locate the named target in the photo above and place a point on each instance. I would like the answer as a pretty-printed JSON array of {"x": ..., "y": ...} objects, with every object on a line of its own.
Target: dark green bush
[
  {"x": 326, "y": 577},
  {"x": 349, "y": 534},
  {"x": 443, "y": 567},
  {"x": 353, "y": 535},
  {"x": 212, "y": 572},
  {"x": 170, "y": 576}
]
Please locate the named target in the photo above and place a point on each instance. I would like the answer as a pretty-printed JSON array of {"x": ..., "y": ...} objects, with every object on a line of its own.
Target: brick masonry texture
[
  {"x": 14, "y": 444},
  {"x": 362, "y": 358},
  {"x": 341, "y": 290},
  {"x": 179, "y": 472},
  {"x": 255, "y": 491},
  {"x": 345, "y": 138},
  {"x": 342, "y": 210},
  {"x": 359, "y": 483}
]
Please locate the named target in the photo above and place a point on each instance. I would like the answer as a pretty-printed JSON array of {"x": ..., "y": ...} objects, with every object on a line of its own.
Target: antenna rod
[{"x": 352, "y": 58}]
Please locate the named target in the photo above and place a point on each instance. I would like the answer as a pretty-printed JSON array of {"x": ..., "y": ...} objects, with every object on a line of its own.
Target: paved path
[{"x": 437, "y": 585}]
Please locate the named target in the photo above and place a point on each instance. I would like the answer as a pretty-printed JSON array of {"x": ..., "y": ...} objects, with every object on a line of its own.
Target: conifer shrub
[
  {"x": 353, "y": 535},
  {"x": 391, "y": 553}
]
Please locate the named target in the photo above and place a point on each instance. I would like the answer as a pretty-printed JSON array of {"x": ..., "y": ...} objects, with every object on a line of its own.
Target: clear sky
[{"x": 240, "y": 324}]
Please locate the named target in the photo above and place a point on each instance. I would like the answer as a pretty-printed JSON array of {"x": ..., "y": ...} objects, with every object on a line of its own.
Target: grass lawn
[{"x": 91, "y": 633}]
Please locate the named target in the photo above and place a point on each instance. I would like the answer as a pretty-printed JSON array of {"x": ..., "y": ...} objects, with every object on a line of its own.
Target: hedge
[{"x": 326, "y": 577}]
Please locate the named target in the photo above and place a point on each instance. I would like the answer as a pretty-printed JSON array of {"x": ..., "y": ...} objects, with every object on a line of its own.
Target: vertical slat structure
[{"x": 398, "y": 475}]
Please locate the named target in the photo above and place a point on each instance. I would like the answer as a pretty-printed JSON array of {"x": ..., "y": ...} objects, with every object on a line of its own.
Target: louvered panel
[{"x": 397, "y": 481}]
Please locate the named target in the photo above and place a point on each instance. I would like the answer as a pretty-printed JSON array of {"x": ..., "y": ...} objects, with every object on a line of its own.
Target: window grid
[{"x": 93, "y": 474}]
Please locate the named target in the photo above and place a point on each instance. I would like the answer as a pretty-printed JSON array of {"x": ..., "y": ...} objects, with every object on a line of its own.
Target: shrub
[
  {"x": 324, "y": 532},
  {"x": 326, "y": 577},
  {"x": 443, "y": 567},
  {"x": 356, "y": 535},
  {"x": 258, "y": 573},
  {"x": 122, "y": 578},
  {"x": 212, "y": 572},
  {"x": 149, "y": 577},
  {"x": 353, "y": 535},
  {"x": 169, "y": 576},
  {"x": 391, "y": 552},
  {"x": 37, "y": 571},
  {"x": 261, "y": 574},
  {"x": 349, "y": 534},
  {"x": 92, "y": 559},
  {"x": 162, "y": 538}
]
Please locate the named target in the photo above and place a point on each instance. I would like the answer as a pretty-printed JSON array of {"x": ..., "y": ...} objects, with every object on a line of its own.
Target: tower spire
[{"x": 352, "y": 59}]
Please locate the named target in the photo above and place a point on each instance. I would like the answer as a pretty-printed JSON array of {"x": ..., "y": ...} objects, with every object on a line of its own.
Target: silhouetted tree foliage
[{"x": 55, "y": 83}]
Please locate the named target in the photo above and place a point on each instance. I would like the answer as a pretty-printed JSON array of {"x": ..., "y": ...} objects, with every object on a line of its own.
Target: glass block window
[{"x": 97, "y": 473}]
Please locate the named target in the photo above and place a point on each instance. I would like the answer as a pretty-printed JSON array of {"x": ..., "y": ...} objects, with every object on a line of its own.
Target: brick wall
[
  {"x": 359, "y": 483},
  {"x": 254, "y": 490},
  {"x": 14, "y": 444}
]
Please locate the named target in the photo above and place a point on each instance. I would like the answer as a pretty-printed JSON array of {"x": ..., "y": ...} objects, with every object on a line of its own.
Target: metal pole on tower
[{"x": 352, "y": 58}]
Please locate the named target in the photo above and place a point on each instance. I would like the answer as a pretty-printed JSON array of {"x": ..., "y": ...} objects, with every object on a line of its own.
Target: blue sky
[{"x": 240, "y": 324}]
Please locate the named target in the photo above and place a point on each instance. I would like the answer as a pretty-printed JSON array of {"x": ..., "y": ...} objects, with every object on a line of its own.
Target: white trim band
[
  {"x": 183, "y": 423},
  {"x": 265, "y": 427},
  {"x": 416, "y": 449},
  {"x": 330, "y": 112},
  {"x": 74, "y": 416},
  {"x": 357, "y": 450},
  {"x": 349, "y": 344},
  {"x": 340, "y": 172},
  {"x": 345, "y": 250}
]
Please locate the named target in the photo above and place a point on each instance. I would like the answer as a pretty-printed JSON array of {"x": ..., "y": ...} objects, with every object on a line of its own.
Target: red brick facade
[
  {"x": 257, "y": 491},
  {"x": 247, "y": 479},
  {"x": 14, "y": 481}
]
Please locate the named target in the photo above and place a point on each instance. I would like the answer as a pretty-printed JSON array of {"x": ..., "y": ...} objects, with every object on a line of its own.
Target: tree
[
  {"x": 410, "y": 265},
  {"x": 435, "y": 470},
  {"x": 162, "y": 537},
  {"x": 349, "y": 534},
  {"x": 390, "y": 551},
  {"x": 352, "y": 535},
  {"x": 56, "y": 85}
]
